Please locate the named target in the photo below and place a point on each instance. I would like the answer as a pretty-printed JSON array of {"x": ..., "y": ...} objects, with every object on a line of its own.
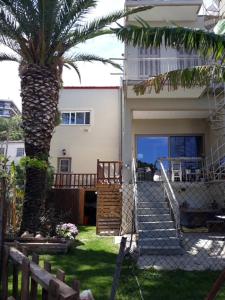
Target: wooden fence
[{"x": 32, "y": 277}]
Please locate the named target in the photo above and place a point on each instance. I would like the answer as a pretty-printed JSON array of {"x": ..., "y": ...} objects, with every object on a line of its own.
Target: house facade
[
  {"x": 13, "y": 150},
  {"x": 90, "y": 129},
  {"x": 171, "y": 144}
]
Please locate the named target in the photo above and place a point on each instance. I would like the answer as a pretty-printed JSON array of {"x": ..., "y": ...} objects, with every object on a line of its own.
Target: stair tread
[
  {"x": 161, "y": 247},
  {"x": 146, "y": 222}
]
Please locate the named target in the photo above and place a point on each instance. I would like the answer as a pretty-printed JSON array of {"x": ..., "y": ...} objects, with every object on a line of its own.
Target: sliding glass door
[
  {"x": 186, "y": 146},
  {"x": 150, "y": 148}
]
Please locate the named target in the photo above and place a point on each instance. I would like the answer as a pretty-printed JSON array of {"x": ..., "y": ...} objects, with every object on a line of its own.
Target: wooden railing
[
  {"x": 109, "y": 172},
  {"x": 32, "y": 277},
  {"x": 74, "y": 180}
]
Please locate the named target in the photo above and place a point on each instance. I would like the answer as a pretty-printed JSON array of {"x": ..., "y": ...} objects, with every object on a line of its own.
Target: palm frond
[
  {"x": 70, "y": 64},
  {"x": 99, "y": 24},
  {"x": 9, "y": 57},
  {"x": 207, "y": 44},
  {"x": 187, "y": 78},
  {"x": 93, "y": 58}
]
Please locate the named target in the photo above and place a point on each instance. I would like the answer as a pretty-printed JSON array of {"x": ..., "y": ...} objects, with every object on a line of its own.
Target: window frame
[
  {"x": 70, "y": 112},
  {"x": 59, "y": 165},
  {"x": 20, "y": 149}
]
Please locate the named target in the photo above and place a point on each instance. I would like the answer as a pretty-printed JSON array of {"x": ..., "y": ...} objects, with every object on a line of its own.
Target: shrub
[{"x": 67, "y": 231}]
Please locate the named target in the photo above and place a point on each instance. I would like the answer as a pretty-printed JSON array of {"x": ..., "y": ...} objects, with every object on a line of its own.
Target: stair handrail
[
  {"x": 134, "y": 183},
  {"x": 174, "y": 205},
  {"x": 215, "y": 160}
]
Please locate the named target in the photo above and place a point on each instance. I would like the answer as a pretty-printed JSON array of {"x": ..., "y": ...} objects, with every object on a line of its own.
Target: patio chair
[{"x": 176, "y": 171}]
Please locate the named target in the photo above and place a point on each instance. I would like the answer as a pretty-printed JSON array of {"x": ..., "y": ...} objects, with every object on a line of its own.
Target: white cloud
[{"x": 92, "y": 74}]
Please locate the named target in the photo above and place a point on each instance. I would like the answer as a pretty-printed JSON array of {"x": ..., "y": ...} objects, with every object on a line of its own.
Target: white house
[{"x": 14, "y": 150}]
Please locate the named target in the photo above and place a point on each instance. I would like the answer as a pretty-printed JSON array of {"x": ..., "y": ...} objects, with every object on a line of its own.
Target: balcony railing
[
  {"x": 108, "y": 172},
  {"x": 145, "y": 67},
  {"x": 68, "y": 180}
]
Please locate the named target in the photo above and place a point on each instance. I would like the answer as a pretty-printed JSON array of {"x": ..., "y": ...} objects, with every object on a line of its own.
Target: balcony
[
  {"x": 164, "y": 10},
  {"x": 143, "y": 68}
]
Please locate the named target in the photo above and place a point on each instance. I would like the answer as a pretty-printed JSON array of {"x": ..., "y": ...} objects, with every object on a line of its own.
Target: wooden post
[
  {"x": 61, "y": 275},
  {"x": 34, "y": 285},
  {"x": 15, "y": 280},
  {"x": 53, "y": 290},
  {"x": 5, "y": 266},
  {"x": 48, "y": 268},
  {"x": 119, "y": 262},
  {"x": 25, "y": 279},
  {"x": 76, "y": 288},
  {"x": 218, "y": 284}
]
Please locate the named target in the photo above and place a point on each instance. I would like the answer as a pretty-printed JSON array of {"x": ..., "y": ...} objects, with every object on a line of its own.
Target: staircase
[
  {"x": 156, "y": 229},
  {"x": 217, "y": 109}
]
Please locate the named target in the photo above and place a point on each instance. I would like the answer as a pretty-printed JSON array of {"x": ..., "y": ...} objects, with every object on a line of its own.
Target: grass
[{"x": 92, "y": 262}]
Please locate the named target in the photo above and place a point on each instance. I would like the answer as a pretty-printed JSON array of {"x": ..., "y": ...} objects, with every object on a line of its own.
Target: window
[
  {"x": 76, "y": 118},
  {"x": 149, "y": 64},
  {"x": 64, "y": 165},
  {"x": 19, "y": 152}
]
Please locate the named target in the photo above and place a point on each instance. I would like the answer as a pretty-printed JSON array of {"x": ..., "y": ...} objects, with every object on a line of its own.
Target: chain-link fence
[{"x": 173, "y": 228}]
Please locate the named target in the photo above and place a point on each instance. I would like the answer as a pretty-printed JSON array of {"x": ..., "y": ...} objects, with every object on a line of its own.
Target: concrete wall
[{"x": 87, "y": 143}]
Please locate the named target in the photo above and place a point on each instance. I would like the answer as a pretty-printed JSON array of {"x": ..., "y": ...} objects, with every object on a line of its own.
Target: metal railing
[
  {"x": 144, "y": 67},
  {"x": 215, "y": 161},
  {"x": 134, "y": 182},
  {"x": 173, "y": 203}
]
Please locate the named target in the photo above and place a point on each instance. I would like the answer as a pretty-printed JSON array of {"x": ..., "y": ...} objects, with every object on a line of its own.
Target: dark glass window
[{"x": 186, "y": 146}]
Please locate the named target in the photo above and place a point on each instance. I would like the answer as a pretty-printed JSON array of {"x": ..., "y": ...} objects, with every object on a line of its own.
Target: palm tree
[
  {"x": 209, "y": 45},
  {"x": 42, "y": 37}
]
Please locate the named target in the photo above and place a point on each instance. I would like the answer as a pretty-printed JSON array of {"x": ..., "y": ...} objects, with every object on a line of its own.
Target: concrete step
[
  {"x": 152, "y": 211},
  {"x": 172, "y": 250},
  {"x": 157, "y": 233},
  {"x": 159, "y": 242},
  {"x": 148, "y": 204},
  {"x": 156, "y": 225},
  {"x": 152, "y": 218}
]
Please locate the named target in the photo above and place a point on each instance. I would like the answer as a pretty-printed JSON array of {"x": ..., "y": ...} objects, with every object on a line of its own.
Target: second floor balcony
[{"x": 142, "y": 63}]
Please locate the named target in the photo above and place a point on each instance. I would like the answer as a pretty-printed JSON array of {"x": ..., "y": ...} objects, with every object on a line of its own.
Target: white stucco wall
[
  {"x": 12, "y": 150},
  {"x": 87, "y": 143}
]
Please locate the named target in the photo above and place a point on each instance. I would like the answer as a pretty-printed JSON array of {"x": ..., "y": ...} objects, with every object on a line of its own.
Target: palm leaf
[
  {"x": 92, "y": 58},
  {"x": 8, "y": 57},
  {"x": 194, "y": 77},
  {"x": 207, "y": 44},
  {"x": 88, "y": 30}
]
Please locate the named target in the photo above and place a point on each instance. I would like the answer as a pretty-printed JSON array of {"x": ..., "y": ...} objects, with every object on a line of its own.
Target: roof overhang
[
  {"x": 154, "y": 115},
  {"x": 176, "y": 10}
]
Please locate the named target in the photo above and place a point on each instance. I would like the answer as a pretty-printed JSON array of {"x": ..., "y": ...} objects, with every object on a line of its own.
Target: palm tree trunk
[{"x": 39, "y": 92}]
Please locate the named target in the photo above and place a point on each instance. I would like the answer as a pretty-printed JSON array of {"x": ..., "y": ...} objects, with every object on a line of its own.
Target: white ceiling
[{"x": 201, "y": 114}]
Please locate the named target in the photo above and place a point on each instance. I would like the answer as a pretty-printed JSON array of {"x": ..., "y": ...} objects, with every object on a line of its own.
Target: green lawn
[{"x": 92, "y": 261}]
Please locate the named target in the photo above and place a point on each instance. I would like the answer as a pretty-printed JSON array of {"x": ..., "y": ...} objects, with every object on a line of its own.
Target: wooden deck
[{"x": 106, "y": 182}]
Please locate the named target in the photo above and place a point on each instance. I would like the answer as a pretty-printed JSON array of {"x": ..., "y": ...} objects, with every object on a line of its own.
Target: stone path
[{"x": 201, "y": 252}]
